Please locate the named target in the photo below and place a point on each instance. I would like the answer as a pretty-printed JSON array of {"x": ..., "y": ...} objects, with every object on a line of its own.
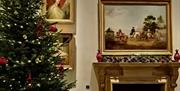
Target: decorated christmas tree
[{"x": 29, "y": 49}]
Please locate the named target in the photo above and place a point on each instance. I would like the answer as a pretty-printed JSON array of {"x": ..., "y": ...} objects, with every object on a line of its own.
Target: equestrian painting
[
  {"x": 137, "y": 27},
  {"x": 129, "y": 27}
]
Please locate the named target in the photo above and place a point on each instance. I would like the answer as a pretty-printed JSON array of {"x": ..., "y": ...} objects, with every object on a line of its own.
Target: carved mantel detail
[{"x": 136, "y": 73}]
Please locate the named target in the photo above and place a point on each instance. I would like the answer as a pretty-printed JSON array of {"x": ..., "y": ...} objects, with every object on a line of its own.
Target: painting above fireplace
[{"x": 129, "y": 27}]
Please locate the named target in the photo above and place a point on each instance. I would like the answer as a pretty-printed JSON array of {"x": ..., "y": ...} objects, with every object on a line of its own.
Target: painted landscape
[{"x": 136, "y": 27}]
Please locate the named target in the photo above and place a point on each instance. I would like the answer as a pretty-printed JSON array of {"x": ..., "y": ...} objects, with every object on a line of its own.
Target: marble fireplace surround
[{"x": 136, "y": 73}]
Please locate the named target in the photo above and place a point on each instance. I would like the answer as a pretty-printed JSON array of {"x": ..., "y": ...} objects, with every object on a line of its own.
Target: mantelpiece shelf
[{"x": 136, "y": 72}]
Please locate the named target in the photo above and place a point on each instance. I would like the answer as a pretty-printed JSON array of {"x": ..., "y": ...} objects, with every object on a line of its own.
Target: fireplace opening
[{"x": 138, "y": 87}]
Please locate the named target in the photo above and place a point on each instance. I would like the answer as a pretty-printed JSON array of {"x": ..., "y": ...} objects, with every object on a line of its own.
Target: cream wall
[
  {"x": 87, "y": 41},
  {"x": 176, "y": 30}
]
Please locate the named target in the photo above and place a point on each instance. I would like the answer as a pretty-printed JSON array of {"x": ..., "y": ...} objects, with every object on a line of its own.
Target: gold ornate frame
[
  {"x": 71, "y": 11},
  {"x": 68, "y": 50},
  {"x": 103, "y": 22}
]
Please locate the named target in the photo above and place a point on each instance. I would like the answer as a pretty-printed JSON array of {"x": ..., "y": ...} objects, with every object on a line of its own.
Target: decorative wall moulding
[{"x": 140, "y": 27}]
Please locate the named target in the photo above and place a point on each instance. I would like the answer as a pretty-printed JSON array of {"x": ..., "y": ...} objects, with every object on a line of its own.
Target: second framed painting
[
  {"x": 128, "y": 27},
  {"x": 61, "y": 11},
  {"x": 67, "y": 50}
]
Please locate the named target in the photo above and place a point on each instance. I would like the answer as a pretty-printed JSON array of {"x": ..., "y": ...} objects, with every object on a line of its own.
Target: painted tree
[{"x": 150, "y": 24}]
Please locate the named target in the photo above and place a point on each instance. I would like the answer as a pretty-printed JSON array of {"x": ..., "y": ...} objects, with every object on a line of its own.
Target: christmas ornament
[
  {"x": 99, "y": 56},
  {"x": 39, "y": 85},
  {"x": 61, "y": 70},
  {"x": 61, "y": 67},
  {"x": 52, "y": 28},
  {"x": 21, "y": 26},
  {"x": 3, "y": 61},
  {"x": 39, "y": 28},
  {"x": 176, "y": 56},
  {"x": 29, "y": 79},
  {"x": 25, "y": 36}
]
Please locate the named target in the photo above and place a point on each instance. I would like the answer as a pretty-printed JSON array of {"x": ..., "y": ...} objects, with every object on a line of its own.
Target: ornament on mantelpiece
[
  {"x": 176, "y": 55},
  {"x": 99, "y": 56},
  {"x": 3, "y": 60}
]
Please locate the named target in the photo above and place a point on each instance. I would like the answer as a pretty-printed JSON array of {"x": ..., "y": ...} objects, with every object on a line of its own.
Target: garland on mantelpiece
[{"x": 138, "y": 58}]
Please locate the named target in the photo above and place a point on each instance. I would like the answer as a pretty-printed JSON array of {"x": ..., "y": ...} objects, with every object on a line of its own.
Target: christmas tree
[{"x": 29, "y": 49}]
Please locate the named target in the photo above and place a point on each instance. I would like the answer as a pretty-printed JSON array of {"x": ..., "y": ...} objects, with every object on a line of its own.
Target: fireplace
[
  {"x": 138, "y": 87},
  {"x": 134, "y": 86},
  {"x": 136, "y": 76}
]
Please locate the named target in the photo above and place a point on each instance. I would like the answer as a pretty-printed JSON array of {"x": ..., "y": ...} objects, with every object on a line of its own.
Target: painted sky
[{"x": 125, "y": 17}]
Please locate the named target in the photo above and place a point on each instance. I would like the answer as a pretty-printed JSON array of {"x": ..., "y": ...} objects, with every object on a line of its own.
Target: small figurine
[
  {"x": 99, "y": 56},
  {"x": 176, "y": 56}
]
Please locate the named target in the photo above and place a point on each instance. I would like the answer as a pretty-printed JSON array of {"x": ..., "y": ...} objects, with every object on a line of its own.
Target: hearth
[
  {"x": 136, "y": 76},
  {"x": 138, "y": 87},
  {"x": 117, "y": 85}
]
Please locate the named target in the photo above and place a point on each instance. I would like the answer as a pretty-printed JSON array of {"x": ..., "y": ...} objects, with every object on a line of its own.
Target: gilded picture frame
[
  {"x": 130, "y": 27},
  {"x": 61, "y": 11},
  {"x": 67, "y": 50}
]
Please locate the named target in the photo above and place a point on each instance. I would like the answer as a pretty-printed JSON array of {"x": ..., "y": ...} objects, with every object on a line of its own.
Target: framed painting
[
  {"x": 67, "y": 50},
  {"x": 61, "y": 11},
  {"x": 135, "y": 27}
]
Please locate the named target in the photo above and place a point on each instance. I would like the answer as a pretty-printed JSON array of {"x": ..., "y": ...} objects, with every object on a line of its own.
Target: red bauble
[
  {"x": 52, "y": 28},
  {"x": 61, "y": 67},
  {"x": 176, "y": 56},
  {"x": 39, "y": 30},
  {"x": 99, "y": 56},
  {"x": 29, "y": 78},
  {"x": 3, "y": 61}
]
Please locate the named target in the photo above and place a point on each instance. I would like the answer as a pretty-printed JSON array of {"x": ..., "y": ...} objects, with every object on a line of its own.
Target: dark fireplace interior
[{"x": 138, "y": 87}]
